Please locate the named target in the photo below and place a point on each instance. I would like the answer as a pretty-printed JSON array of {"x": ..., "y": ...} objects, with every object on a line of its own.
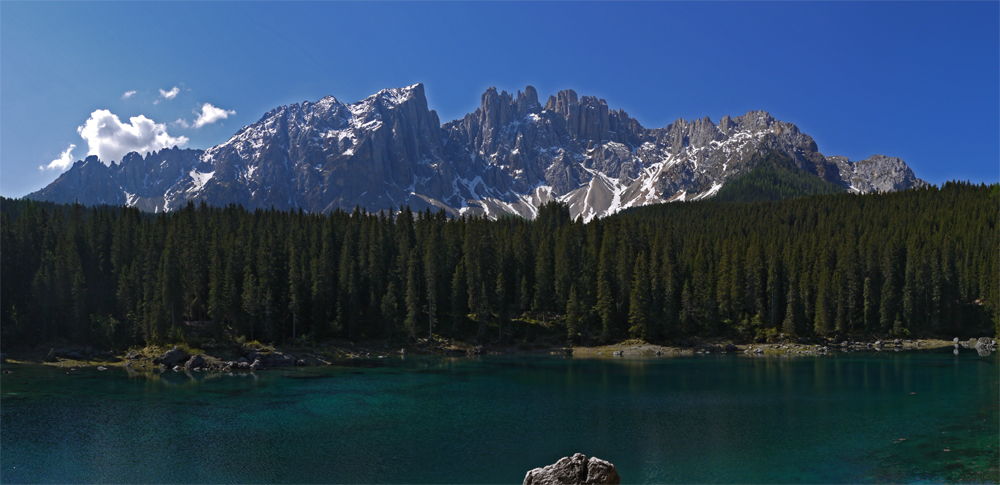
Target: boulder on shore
[
  {"x": 195, "y": 362},
  {"x": 985, "y": 342},
  {"x": 576, "y": 469},
  {"x": 276, "y": 359},
  {"x": 172, "y": 357}
]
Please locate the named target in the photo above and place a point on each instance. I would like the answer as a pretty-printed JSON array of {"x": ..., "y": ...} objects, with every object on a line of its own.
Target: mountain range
[{"x": 510, "y": 156}]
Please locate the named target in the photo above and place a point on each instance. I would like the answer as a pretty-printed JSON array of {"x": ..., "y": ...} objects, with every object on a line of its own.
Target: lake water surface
[{"x": 925, "y": 416}]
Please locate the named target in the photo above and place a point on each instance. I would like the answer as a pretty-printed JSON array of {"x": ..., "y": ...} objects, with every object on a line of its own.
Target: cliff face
[
  {"x": 877, "y": 173},
  {"x": 509, "y": 156}
]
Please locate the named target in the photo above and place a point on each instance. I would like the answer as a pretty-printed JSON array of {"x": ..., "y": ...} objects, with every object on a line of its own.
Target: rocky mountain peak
[
  {"x": 877, "y": 173},
  {"x": 398, "y": 96},
  {"x": 563, "y": 102},
  {"x": 499, "y": 109},
  {"x": 510, "y": 156},
  {"x": 527, "y": 102},
  {"x": 756, "y": 121}
]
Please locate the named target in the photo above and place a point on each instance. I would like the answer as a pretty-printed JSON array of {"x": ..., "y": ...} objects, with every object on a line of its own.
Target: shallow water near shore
[{"x": 922, "y": 416}]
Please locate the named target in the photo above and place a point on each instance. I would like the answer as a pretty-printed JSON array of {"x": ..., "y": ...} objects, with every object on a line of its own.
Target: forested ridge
[
  {"x": 912, "y": 263},
  {"x": 774, "y": 178}
]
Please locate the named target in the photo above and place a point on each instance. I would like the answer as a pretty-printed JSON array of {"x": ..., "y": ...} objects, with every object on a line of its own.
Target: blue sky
[{"x": 920, "y": 81}]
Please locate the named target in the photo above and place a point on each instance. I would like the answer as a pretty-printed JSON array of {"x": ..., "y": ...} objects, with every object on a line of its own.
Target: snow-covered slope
[{"x": 511, "y": 155}]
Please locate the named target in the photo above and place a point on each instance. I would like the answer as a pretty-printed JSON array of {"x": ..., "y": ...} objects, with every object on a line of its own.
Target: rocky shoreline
[
  {"x": 783, "y": 347},
  {"x": 259, "y": 357}
]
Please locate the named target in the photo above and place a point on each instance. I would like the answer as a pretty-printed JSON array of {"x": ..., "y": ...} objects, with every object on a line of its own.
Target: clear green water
[{"x": 710, "y": 419}]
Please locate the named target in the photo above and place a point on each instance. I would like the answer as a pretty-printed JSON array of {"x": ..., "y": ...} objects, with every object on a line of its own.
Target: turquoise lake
[{"x": 923, "y": 416}]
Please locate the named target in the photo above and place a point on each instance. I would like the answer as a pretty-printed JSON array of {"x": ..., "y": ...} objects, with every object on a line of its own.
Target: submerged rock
[{"x": 574, "y": 470}]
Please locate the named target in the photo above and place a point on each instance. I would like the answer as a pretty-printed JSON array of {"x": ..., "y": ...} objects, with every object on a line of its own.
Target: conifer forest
[{"x": 917, "y": 263}]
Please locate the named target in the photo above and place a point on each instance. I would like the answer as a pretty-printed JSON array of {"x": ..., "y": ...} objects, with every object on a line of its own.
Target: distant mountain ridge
[{"x": 510, "y": 156}]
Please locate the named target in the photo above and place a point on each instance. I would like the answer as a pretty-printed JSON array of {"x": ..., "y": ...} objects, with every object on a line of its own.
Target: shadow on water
[
  {"x": 363, "y": 363},
  {"x": 229, "y": 392},
  {"x": 309, "y": 376}
]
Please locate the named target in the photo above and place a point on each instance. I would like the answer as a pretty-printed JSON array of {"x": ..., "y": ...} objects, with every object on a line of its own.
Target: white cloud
[
  {"x": 110, "y": 139},
  {"x": 181, "y": 122},
  {"x": 210, "y": 114},
  {"x": 128, "y": 94},
  {"x": 63, "y": 162},
  {"x": 170, "y": 94}
]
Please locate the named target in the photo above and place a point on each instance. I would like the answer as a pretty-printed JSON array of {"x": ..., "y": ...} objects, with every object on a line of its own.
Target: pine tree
[
  {"x": 910, "y": 289},
  {"x": 639, "y": 306},
  {"x": 791, "y": 323},
  {"x": 703, "y": 292},
  {"x": 756, "y": 282},
  {"x": 459, "y": 297},
  {"x": 565, "y": 251},
  {"x": 250, "y": 301},
  {"x": 544, "y": 277},
  {"x": 413, "y": 296},
  {"x": 526, "y": 294},
  {"x": 297, "y": 287},
  {"x": 390, "y": 309},
  {"x": 892, "y": 286},
  {"x": 670, "y": 285},
  {"x": 686, "y": 318},
  {"x": 606, "y": 306},
  {"x": 624, "y": 259},
  {"x": 501, "y": 292},
  {"x": 431, "y": 263},
  {"x": 823, "y": 320},
  {"x": 870, "y": 308},
  {"x": 574, "y": 316}
]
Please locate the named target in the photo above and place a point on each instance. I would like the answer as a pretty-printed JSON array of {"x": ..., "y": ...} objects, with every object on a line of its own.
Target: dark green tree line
[{"x": 918, "y": 262}]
